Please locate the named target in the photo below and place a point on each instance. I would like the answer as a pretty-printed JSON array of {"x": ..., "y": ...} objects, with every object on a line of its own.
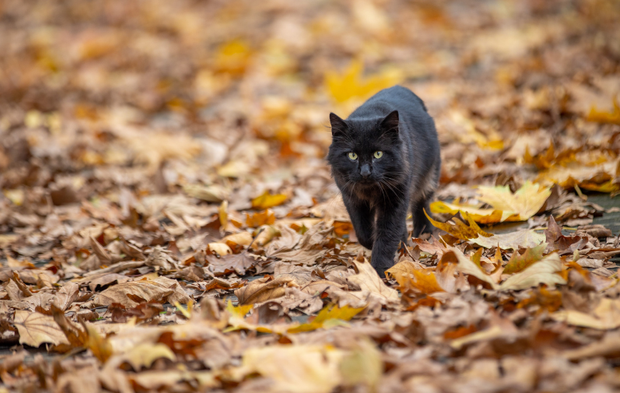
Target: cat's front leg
[
  {"x": 362, "y": 217},
  {"x": 391, "y": 224}
]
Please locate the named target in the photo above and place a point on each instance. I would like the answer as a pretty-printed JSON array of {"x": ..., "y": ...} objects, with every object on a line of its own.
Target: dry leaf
[
  {"x": 267, "y": 200},
  {"x": 368, "y": 279},
  {"x": 541, "y": 272},
  {"x": 36, "y": 329}
]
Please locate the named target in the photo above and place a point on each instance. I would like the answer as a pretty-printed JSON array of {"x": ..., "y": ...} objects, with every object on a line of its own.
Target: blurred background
[{"x": 222, "y": 100}]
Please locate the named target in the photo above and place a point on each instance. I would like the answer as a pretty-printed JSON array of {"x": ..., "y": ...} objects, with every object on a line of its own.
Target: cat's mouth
[{"x": 366, "y": 182}]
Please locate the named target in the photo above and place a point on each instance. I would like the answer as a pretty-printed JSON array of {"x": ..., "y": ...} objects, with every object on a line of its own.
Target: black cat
[{"x": 385, "y": 158}]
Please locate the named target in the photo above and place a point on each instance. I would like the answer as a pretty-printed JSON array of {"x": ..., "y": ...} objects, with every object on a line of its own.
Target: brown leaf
[
  {"x": 232, "y": 263},
  {"x": 160, "y": 289},
  {"x": 263, "y": 289},
  {"x": 36, "y": 329},
  {"x": 368, "y": 280}
]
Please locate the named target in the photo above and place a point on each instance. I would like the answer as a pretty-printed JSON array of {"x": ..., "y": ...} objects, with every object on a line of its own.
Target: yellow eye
[
  {"x": 353, "y": 156},
  {"x": 378, "y": 154}
]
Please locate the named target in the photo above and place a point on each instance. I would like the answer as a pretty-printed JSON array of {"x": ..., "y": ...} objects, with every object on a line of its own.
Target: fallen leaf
[
  {"x": 511, "y": 240},
  {"x": 519, "y": 262},
  {"x": 467, "y": 266},
  {"x": 233, "y": 263},
  {"x": 459, "y": 229},
  {"x": 368, "y": 280},
  {"x": 263, "y": 289},
  {"x": 160, "y": 289},
  {"x": 328, "y": 317},
  {"x": 267, "y": 200},
  {"x": 143, "y": 355},
  {"x": 256, "y": 220},
  {"x": 605, "y": 316},
  {"x": 541, "y": 272},
  {"x": 36, "y": 329},
  {"x": 309, "y": 368},
  {"x": 211, "y": 193},
  {"x": 505, "y": 206},
  {"x": 409, "y": 277}
]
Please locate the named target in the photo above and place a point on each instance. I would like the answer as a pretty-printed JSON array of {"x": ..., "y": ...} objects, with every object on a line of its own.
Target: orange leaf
[
  {"x": 259, "y": 219},
  {"x": 410, "y": 277},
  {"x": 460, "y": 229}
]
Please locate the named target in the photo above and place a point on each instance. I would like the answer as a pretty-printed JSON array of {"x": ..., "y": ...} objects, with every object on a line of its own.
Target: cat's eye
[
  {"x": 352, "y": 156},
  {"x": 378, "y": 154}
]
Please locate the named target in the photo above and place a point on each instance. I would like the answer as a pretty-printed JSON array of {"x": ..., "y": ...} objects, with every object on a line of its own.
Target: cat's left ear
[
  {"x": 390, "y": 123},
  {"x": 338, "y": 125}
]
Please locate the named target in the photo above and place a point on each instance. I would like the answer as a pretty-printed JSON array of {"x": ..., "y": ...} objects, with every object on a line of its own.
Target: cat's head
[{"x": 368, "y": 151}]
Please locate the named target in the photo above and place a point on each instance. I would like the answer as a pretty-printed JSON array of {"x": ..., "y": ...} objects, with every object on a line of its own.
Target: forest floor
[{"x": 168, "y": 221}]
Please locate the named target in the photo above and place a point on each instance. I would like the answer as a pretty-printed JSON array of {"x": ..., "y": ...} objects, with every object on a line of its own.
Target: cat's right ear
[{"x": 339, "y": 127}]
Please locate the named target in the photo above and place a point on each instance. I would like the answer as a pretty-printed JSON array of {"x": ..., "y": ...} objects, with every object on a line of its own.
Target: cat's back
[{"x": 387, "y": 100}]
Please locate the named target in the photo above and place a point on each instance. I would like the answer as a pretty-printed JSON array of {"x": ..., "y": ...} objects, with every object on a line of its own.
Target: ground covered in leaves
[{"x": 168, "y": 221}]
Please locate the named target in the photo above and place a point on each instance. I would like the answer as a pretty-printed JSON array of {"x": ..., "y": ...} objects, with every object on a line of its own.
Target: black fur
[{"x": 395, "y": 122}]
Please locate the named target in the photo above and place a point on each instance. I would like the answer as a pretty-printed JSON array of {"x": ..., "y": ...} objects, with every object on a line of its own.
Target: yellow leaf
[
  {"x": 143, "y": 355},
  {"x": 295, "y": 368},
  {"x": 505, "y": 206},
  {"x": 520, "y": 262},
  {"x": 467, "y": 266},
  {"x": 612, "y": 117},
  {"x": 605, "y": 316},
  {"x": 525, "y": 202},
  {"x": 218, "y": 248},
  {"x": 351, "y": 84},
  {"x": 233, "y": 57},
  {"x": 364, "y": 365},
  {"x": 483, "y": 216},
  {"x": 99, "y": 346},
  {"x": 223, "y": 214},
  {"x": 237, "y": 315},
  {"x": 238, "y": 239},
  {"x": 329, "y": 316},
  {"x": 268, "y": 200},
  {"x": 266, "y": 234},
  {"x": 459, "y": 229}
]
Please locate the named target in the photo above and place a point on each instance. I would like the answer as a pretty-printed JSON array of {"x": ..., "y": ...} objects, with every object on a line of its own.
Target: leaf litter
[{"x": 168, "y": 222}]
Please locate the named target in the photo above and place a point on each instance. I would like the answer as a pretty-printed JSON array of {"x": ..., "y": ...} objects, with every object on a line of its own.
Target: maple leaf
[
  {"x": 543, "y": 271},
  {"x": 459, "y": 229},
  {"x": 467, "y": 266},
  {"x": 519, "y": 262},
  {"x": 36, "y": 329},
  {"x": 226, "y": 264},
  {"x": 505, "y": 206},
  {"x": 329, "y": 316},
  {"x": 350, "y": 83}
]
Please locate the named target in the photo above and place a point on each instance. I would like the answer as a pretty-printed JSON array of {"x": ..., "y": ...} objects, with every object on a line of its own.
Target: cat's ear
[
  {"x": 338, "y": 125},
  {"x": 390, "y": 123}
]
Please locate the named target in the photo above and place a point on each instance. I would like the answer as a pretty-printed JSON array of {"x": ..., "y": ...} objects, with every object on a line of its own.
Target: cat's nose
[{"x": 365, "y": 171}]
